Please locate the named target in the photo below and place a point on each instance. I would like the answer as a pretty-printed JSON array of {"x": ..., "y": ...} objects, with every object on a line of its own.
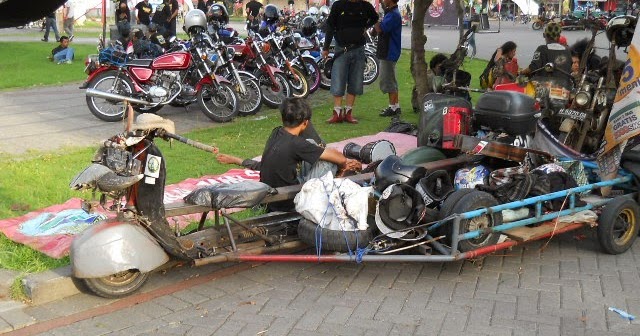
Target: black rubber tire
[
  {"x": 536, "y": 25},
  {"x": 325, "y": 81},
  {"x": 125, "y": 87},
  {"x": 117, "y": 285},
  {"x": 474, "y": 200},
  {"x": 618, "y": 225},
  {"x": 300, "y": 86},
  {"x": 451, "y": 200},
  {"x": 271, "y": 98},
  {"x": 312, "y": 75},
  {"x": 246, "y": 105},
  {"x": 371, "y": 76},
  {"x": 333, "y": 240},
  {"x": 221, "y": 113}
]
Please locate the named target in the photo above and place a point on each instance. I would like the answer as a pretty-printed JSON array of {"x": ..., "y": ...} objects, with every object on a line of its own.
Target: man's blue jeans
[
  {"x": 51, "y": 24},
  {"x": 63, "y": 55}
]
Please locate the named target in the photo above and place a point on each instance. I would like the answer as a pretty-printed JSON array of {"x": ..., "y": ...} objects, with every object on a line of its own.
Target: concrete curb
[
  {"x": 7, "y": 277},
  {"x": 49, "y": 285}
]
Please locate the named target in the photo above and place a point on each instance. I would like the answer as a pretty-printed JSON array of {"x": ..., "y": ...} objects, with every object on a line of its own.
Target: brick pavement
[{"x": 565, "y": 289}]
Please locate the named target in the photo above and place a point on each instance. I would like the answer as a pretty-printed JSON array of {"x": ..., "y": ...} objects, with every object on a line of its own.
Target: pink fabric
[{"x": 57, "y": 245}]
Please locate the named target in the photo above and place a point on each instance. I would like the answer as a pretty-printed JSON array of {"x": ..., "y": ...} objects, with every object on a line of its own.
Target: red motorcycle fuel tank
[
  {"x": 179, "y": 60},
  {"x": 141, "y": 74}
]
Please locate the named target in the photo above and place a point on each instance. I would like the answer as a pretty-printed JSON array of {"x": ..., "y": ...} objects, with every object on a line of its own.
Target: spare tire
[{"x": 333, "y": 240}]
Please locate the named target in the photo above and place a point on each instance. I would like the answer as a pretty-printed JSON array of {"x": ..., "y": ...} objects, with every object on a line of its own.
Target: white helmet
[
  {"x": 314, "y": 11},
  {"x": 324, "y": 10},
  {"x": 195, "y": 18}
]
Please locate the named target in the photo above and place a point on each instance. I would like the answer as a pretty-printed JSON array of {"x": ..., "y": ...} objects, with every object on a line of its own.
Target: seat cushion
[{"x": 243, "y": 194}]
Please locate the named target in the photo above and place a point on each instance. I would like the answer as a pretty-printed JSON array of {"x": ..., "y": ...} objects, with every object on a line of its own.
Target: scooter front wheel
[{"x": 117, "y": 285}]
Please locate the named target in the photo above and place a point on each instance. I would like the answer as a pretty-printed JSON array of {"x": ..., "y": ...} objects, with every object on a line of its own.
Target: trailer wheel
[
  {"x": 618, "y": 225},
  {"x": 474, "y": 200},
  {"x": 333, "y": 240},
  {"x": 117, "y": 285}
]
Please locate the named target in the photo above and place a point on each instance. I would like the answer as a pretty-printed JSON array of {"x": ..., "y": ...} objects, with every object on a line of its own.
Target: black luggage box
[{"x": 506, "y": 111}]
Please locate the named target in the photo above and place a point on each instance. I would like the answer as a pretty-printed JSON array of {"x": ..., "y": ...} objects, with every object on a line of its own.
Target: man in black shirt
[
  {"x": 156, "y": 37},
  {"x": 171, "y": 9},
  {"x": 287, "y": 147},
  {"x": 144, "y": 11},
  {"x": 347, "y": 22},
  {"x": 253, "y": 9},
  {"x": 551, "y": 52}
]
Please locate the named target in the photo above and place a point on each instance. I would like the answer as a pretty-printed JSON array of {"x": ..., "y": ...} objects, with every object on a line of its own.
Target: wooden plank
[{"x": 525, "y": 233}]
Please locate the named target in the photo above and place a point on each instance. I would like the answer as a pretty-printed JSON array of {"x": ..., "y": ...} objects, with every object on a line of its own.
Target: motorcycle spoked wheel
[
  {"x": 218, "y": 102},
  {"x": 250, "y": 102},
  {"x": 371, "y": 70},
  {"x": 273, "y": 95},
  {"x": 298, "y": 83},
  {"x": 117, "y": 285},
  {"x": 312, "y": 74},
  {"x": 537, "y": 25},
  {"x": 325, "y": 81},
  {"x": 109, "y": 109}
]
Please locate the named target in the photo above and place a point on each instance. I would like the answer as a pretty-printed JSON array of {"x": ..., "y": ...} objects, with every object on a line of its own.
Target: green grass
[
  {"x": 45, "y": 176},
  {"x": 25, "y": 64}
]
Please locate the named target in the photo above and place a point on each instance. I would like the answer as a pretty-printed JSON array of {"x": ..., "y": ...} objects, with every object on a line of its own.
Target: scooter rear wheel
[{"x": 117, "y": 285}]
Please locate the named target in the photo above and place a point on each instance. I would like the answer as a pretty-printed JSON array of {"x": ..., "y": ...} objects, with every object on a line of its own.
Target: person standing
[
  {"x": 68, "y": 16},
  {"x": 347, "y": 22},
  {"x": 253, "y": 9},
  {"x": 62, "y": 54},
  {"x": 389, "y": 31},
  {"x": 51, "y": 24},
  {"x": 123, "y": 20},
  {"x": 144, "y": 12},
  {"x": 202, "y": 5},
  {"x": 171, "y": 8},
  {"x": 550, "y": 52}
]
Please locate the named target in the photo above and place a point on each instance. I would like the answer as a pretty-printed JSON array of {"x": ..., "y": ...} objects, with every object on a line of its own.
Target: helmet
[
  {"x": 271, "y": 13},
  {"x": 392, "y": 170},
  {"x": 470, "y": 177},
  {"x": 218, "y": 13},
  {"x": 309, "y": 26},
  {"x": 314, "y": 11},
  {"x": 194, "y": 19},
  {"x": 553, "y": 31},
  {"x": 399, "y": 207},
  {"x": 620, "y": 30},
  {"x": 435, "y": 186},
  {"x": 324, "y": 11}
]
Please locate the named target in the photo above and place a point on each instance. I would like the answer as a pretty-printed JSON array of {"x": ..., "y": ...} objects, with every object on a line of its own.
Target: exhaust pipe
[{"x": 115, "y": 96}]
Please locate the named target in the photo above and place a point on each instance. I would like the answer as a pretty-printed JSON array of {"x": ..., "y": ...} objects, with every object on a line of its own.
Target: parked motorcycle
[
  {"x": 273, "y": 83},
  {"x": 295, "y": 77},
  {"x": 180, "y": 75}
]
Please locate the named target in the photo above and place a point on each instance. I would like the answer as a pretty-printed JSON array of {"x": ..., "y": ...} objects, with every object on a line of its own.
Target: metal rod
[
  {"x": 253, "y": 230},
  {"x": 439, "y": 247},
  {"x": 231, "y": 238},
  {"x": 115, "y": 96},
  {"x": 203, "y": 218},
  {"x": 234, "y": 256},
  {"x": 343, "y": 258},
  {"x": 190, "y": 142}
]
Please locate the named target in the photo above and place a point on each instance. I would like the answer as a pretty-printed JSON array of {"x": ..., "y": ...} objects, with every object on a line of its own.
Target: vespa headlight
[{"x": 582, "y": 98}]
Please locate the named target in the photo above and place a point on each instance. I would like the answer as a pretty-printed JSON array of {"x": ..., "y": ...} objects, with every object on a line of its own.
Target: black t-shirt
[
  {"x": 51, "y": 15},
  {"x": 122, "y": 15},
  {"x": 280, "y": 161},
  {"x": 554, "y": 53},
  {"x": 144, "y": 11},
  {"x": 254, "y": 8},
  {"x": 347, "y": 22},
  {"x": 57, "y": 49},
  {"x": 158, "y": 39},
  {"x": 169, "y": 8}
]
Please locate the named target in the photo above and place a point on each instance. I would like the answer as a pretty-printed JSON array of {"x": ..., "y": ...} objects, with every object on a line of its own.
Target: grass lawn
[{"x": 45, "y": 177}]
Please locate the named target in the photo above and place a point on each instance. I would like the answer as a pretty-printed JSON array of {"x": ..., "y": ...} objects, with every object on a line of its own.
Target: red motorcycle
[
  {"x": 273, "y": 82},
  {"x": 179, "y": 76}
]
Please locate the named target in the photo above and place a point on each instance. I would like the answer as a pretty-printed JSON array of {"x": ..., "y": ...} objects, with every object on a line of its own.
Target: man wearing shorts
[
  {"x": 389, "y": 31},
  {"x": 347, "y": 22}
]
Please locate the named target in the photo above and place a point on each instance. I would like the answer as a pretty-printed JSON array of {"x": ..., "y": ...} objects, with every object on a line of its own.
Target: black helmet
[
  {"x": 620, "y": 30},
  {"x": 309, "y": 26},
  {"x": 271, "y": 13},
  {"x": 399, "y": 207},
  {"x": 218, "y": 13},
  {"x": 392, "y": 170}
]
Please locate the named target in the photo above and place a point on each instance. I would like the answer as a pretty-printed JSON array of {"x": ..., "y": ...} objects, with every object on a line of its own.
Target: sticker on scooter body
[{"x": 152, "y": 168}]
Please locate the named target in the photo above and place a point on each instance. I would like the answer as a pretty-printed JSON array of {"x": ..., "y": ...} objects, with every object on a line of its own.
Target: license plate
[{"x": 573, "y": 114}]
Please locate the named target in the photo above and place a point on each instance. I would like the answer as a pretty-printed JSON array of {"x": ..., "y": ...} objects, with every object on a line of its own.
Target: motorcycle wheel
[
  {"x": 325, "y": 81},
  {"x": 536, "y": 25},
  {"x": 117, "y": 285},
  {"x": 298, "y": 83},
  {"x": 113, "y": 110},
  {"x": 371, "y": 70},
  {"x": 218, "y": 102},
  {"x": 273, "y": 95},
  {"x": 250, "y": 102},
  {"x": 313, "y": 75}
]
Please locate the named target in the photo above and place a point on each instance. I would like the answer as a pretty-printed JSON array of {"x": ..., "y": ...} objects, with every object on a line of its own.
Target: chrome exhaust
[{"x": 115, "y": 96}]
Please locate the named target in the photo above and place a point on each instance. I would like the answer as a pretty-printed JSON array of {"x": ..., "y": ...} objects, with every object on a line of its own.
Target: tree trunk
[{"x": 419, "y": 67}]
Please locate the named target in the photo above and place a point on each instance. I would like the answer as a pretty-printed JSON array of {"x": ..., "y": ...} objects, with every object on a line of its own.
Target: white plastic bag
[{"x": 335, "y": 204}]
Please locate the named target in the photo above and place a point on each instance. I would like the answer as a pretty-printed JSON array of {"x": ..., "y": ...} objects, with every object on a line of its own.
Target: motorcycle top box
[{"x": 506, "y": 111}]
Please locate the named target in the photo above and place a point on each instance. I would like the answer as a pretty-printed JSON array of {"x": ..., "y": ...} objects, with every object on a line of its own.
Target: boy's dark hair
[
  {"x": 437, "y": 59},
  {"x": 63, "y": 37},
  {"x": 139, "y": 34},
  {"x": 508, "y": 46},
  {"x": 294, "y": 111}
]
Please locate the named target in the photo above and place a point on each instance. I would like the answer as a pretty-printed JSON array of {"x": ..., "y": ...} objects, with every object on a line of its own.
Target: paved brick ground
[{"x": 564, "y": 288}]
